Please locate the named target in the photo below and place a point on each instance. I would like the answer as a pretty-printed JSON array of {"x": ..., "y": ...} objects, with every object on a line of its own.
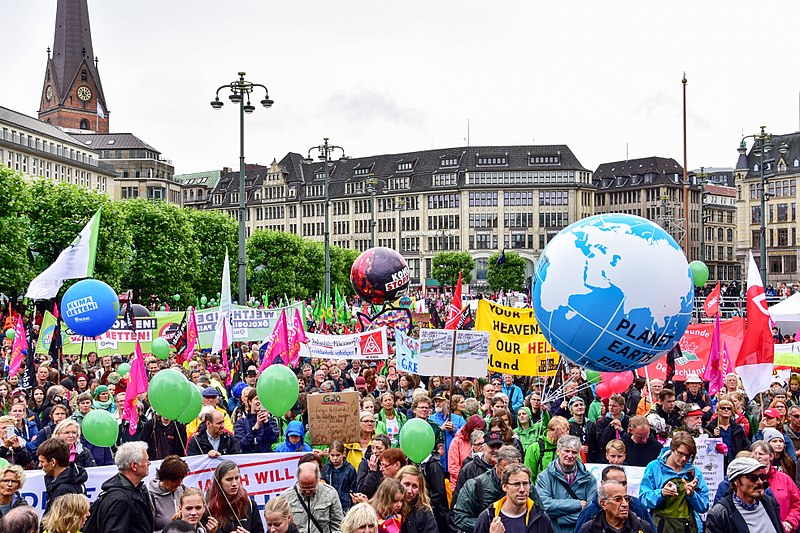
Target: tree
[
  {"x": 165, "y": 251},
  {"x": 275, "y": 260},
  {"x": 15, "y": 270},
  {"x": 59, "y": 211},
  {"x": 213, "y": 233},
  {"x": 342, "y": 260},
  {"x": 509, "y": 276},
  {"x": 447, "y": 265}
]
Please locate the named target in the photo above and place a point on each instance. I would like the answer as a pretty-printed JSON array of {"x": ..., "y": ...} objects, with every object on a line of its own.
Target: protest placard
[
  {"x": 436, "y": 352},
  {"x": 333, "y": 416},
  {"x": 371, "y": 345},
  {"x": 407, "y": 353}
]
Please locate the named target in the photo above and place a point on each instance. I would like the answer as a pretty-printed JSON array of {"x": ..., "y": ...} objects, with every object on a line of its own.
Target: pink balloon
[{"x": 603, "y": 389}]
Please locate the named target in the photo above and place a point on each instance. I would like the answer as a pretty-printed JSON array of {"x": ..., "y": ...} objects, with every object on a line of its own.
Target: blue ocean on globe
[{"x": 613, "y": 292}]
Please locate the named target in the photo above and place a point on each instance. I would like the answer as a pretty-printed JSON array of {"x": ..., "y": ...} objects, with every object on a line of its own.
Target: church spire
[{"x": 72, "y": 95}]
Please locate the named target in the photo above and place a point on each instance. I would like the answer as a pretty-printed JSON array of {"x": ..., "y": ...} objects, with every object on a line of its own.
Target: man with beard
[
  {"x": 692, "y": 421},
  {"x": 744, "y": 507},
  {"x": 479, "y": 464}
]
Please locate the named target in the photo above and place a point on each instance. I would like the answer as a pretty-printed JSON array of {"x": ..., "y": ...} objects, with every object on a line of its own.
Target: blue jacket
[
  {"x": 101, "y": 454},
  {"x": 458, "y": 423},
  {"x": 657, "y": 474},
  {"x": 556, "y": 501},
  {"x": 294, "y": 426},
  {"x": 343, "y": 479},
  {"x": 255, "y": 441},
  {"x": 593, "y": 509},
  {"x": 515, "y": 397},
  {"x": 29, "y": 431}
]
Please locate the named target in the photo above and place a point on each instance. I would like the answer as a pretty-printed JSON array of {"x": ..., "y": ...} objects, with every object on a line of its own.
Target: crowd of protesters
[{"x": 509, "y": 454}]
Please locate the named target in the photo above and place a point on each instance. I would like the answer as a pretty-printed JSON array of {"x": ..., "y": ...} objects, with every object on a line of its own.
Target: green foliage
[
  {"x": 510, "y": 276},
  {"x": 15, "y": 270},
  {"x": 342, "y": 260},
  {"x": 447, "y": 265},
  {"x": 165, "y": 254},
  {"x": 213, "y": 232}
]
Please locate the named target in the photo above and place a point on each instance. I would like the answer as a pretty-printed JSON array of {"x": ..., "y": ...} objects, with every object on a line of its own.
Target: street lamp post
[
  {"x": 240, "y": 89},
  {"x": 325, "y": 150},
  {"x": 763, "y": 144}
]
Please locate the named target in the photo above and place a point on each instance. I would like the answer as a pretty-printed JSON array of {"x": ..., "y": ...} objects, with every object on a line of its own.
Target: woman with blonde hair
[
  {"x": 278, "y": 516},
  {"x": 12, "y": 478},
  {"x": 388, "y": 503},
  {"x": 419, "y": 515},
  {"x": 192, "y": 509},
  {"x": 361, "y": 518},
  {"x": 67, "y": 514},
  {"x": 69, "y": 431}
]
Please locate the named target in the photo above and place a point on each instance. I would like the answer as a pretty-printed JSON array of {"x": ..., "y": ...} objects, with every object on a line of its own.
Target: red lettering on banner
[{"x": 245, "y": 480}]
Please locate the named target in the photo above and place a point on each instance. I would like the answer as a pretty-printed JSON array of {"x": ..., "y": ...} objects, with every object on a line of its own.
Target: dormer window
[
  {"x": 544, "y": 160},
  {"x": 796, "y": 163},
  {"x": 492, "y": 160},
  {"x": 405, "y": 166},
  {"x": 361, "y": 171},
  {"x": 448, "y": 162}
]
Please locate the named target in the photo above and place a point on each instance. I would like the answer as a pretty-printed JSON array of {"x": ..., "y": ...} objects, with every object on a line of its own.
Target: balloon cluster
[{"x": 613, "y": 383}]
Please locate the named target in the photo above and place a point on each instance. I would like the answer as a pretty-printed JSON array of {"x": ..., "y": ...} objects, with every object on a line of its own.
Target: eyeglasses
[
  {"x": 619, "y": 498},
  {"x": 755, "y": 478},
  {"x": 520, "y": 485},
  {"x": 724, "y": 408},
  {"x": 9, "y": 481},
  {"x": 796, "y": 415},
  {"x": 682, "y": 454}
]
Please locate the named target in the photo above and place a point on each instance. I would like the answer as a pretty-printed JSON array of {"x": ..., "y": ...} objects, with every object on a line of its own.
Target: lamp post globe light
[
  {"x": 241, "y": 90},
  {"x": 324, "y": 151},
  {"x": 762, "y": 144}
]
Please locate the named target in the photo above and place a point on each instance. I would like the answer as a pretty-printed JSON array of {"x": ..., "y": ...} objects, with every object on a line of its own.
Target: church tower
[{"x": 72, "y": 95}]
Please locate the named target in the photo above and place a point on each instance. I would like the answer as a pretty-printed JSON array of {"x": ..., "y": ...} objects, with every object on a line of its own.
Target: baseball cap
[
  {"x": 694, "y": 378},
  {"x": 493, "y": 439},
  {"x": 210, "y": 392},
  {"x": 293, "y": 432},
  {"x": 441, "y": 396},
  {"x": 772, "y": 413},
  {"x": 360, "y": 382},
  {"x": 743, "y": 465},
  {"x": 251, "y": 371},
  {"x": 771, "y": 433}
]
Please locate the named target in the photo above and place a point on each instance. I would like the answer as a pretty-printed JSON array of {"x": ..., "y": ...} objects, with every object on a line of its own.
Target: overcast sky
[{"x": 383, "y": 77}]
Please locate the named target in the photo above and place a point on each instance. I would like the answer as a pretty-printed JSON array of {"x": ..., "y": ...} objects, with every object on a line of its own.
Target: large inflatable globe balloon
[
  {"x": 90, "y": 307},
  {"x": 379, "y": 275},
  {"x": 613, "y": 292}
]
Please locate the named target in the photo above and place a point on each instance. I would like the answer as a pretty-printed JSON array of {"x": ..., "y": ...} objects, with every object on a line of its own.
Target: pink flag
[
  {"x": 727, "y": 362},
  {"x": 297, "y": 335},
  {"x": 137, "y": 384},
  {"x": 278, "y": 342},
  {"x": 714, "y": 374},
  {"x": 191, "y": 334},
  {"x": 20, "y": 344},
  {"x": 55, "y": 309}
]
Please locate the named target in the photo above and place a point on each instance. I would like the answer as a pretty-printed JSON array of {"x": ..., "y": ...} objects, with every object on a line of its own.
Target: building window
[
  {"x": 361, "y": 171},
  {"x": 544, "y": 160},
  {"x": 493, "y": 160},
  {"x": 405, "y": 166},
  {"x": 445, "y": 180},
  {"x": 84, "y": 124},
  {"x": 453, "y": 161}
]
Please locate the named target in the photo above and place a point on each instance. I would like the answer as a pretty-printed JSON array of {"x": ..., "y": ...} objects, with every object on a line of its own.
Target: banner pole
[{"x": 453, "y": 364}]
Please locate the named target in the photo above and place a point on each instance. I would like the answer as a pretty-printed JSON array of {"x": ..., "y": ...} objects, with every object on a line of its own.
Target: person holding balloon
[
  {"x": 257, "y": 430},
  {"x": 614, "y": 424}
]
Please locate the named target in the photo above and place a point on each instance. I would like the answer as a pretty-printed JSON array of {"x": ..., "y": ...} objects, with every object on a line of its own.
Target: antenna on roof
[{"x": 626, "y": 151}]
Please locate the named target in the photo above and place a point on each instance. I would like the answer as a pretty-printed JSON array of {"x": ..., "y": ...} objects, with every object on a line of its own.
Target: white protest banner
[
  {"x": 436, "y": 351},
  {"x": 634, "y": 473},
  {"x": 263, "y": 475},
  {"x": 407, "y": 352},
  {"x": 369, "y": 345}
]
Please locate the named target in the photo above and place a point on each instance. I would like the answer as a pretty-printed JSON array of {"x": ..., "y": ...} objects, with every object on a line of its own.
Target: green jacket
[
  {"x": 380, "y": 424},
  {"x": 474, "y": 497},
  {"x": 594, "y": 411},
  {"x": 526, "y": 436},
  {"x": 537, "y": 461}
]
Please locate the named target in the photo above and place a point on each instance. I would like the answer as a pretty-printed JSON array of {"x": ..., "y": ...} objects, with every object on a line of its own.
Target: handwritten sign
[
  {"x": 407, "y": 352},
  {"x": 333, "y": 416},
  {"x": 436, "y": 352}
]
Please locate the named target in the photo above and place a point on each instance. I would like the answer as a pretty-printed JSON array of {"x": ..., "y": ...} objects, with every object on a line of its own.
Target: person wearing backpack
[
  {"x": 124, "y": 504},
  {"x": 543, "y": 450}
]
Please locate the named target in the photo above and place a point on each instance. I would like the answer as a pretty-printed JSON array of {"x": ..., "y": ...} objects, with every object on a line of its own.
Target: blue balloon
[
  {"x": 90, "y": 307},
  {"x": 592, "y": 297}
]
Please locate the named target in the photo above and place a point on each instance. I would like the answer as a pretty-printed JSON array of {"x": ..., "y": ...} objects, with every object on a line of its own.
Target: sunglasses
[
  {"x": 724, "y": 408},
  {"x": 754, "y": 478}
]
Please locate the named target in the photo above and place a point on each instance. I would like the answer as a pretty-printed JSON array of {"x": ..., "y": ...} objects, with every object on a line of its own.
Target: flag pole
[{"x": 453, "y": 364}]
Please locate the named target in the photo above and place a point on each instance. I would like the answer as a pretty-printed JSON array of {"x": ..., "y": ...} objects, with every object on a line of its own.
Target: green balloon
[
  {"x": 100, "y": 428},
  {"x": 176, "y": 297},
  {"x": 219, "y": 295},
  {"x": 161, "y": 348},
  {"x": 10, "y": 334},
  {"x": 699, "y": 273},
  {"x": 593, "y": 376},
  {"x": 277, "y": 389},
  {"x": 168, "y": 393},
  {"x": 124, "y": 369},
  {"x": 417, "y": 439},
  {"x": 193, "y": 407},
  {"x": 3, "y": 463},
  {"x": 203, "y": 300}
]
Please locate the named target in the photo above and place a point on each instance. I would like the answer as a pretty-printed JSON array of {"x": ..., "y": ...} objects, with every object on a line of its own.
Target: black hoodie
[
  {"x": 70, "y": 481},
  {"x": 121, "y": 508}
]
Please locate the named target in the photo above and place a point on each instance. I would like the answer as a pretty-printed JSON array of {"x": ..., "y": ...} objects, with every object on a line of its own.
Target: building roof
[
  {"x": 72, "y": 44},
  {"x": 719, "y": 190},
  {"x": 33, "y": 124},
  {"x": 645, "y": 171},
  {"x": 773, "y": 157},
  {"x": 112, "y": 141},
  {"x": 208, "y": 178}
]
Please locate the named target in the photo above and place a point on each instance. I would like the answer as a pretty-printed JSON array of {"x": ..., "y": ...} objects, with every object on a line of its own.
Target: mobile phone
[
  {"x": 690, "y": 475},
  {"x": 9, "y": 432}
]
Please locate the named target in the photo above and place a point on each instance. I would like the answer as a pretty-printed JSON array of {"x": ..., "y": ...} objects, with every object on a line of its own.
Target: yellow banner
[{"x": 516, "y": 345}]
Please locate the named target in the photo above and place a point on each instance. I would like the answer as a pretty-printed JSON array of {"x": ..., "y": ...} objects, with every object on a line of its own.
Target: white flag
[
  {"x": 74, "y": 262},
  {"x": 223, "y": 334}
]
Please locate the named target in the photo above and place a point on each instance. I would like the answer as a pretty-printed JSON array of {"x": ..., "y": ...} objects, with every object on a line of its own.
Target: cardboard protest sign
[{"x": 333, "y": 416}]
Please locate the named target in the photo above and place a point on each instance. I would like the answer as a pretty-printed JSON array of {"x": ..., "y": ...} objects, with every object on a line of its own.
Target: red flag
[
  {"x": 137, "y": 384},
  {"x": 278, "y": 343},
  {"x": 454, "y": 312},
  {"x": 711, "y": 305},
  {"x": 714, "y": 374},
  {"x": 757, "y": 353},
  {"x": 191, "y": 338}
]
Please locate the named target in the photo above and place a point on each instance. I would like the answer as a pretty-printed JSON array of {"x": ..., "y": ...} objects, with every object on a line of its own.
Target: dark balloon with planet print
[{"x": 380, "y": 275}]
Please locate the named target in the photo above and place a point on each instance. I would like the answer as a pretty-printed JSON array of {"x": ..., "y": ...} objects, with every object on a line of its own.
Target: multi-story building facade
[
  {"x": 37, "y": 149},
  {"x": 781, "y": 173},
  {"x": 653, "y": 188},
  {"x": 718, "y": 246},
  {"x": 197, "y": 186},
  {"x": 475, "y": 199},
  {"x": 141, "y": 171}
]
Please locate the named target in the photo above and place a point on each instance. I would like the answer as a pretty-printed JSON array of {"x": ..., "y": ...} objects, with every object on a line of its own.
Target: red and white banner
[
  {"x": 371, "y": 345},
  {"x": 696, "y": 347},
  {"x": 263, "y": 476}
]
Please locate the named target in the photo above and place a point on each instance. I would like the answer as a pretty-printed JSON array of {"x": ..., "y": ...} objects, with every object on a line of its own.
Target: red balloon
[
  {"x": 603, "y": 389},
  {"x": 619, "y": 384}
]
